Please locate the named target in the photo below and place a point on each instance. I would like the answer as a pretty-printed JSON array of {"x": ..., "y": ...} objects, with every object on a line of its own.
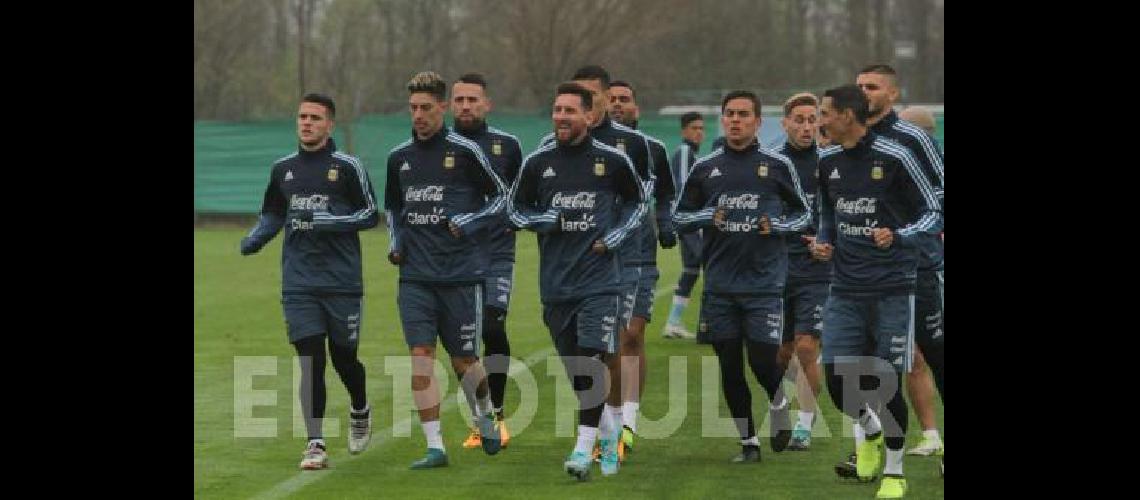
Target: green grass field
[{"x": 237, "y": 318}]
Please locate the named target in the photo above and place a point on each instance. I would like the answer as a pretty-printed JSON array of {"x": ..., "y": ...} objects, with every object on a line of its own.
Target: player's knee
[
  {"x": 633, "y": 339},
  {"x": 421, "y": 382},
  {"x": 807, "y": 349}
]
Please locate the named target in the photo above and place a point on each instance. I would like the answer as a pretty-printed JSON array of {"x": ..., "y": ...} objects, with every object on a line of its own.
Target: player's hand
[
  {"x": 668, "y": 239},
  {"x": 807, "y": 239},
  {"x": 719, "y": 217},
  {"x": 455, "y": 230},
  {"x": 395, "y": 258},
  {"x": 599, "y": 248},
  {"x": 883, "y": 237},
  {"x": 821, "y": 251},
  {"x": 765, "y": 225},
  {"x": 248, "y": 247}
]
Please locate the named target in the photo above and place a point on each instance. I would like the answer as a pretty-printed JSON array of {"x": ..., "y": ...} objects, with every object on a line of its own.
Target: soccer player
[
  {"x": 692, "y": 134},
  {"x": 441, "y": 191},
  {"x": 806, "y": 289},
  {"x": 624, "y": 110},
  {"x": 585, "y": 201},
  {"x": 597, "y": 80},
  {"x": 746, "y": 198},
  {"x": 874, "y": 201},
  {"x": 469, "y": 108},
  {"x": 322, "y": 197},
  {"x": 879, "y": 83}
]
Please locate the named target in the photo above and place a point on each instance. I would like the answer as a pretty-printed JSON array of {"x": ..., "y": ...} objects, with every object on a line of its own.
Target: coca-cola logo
[
  {"x": 857, "y": 206},
  {"x": 426, "y": 193},
  {"x": 743, "y": 201},
  {"x": 314, "y": 202},
  {"x": 583, "y": 200}
]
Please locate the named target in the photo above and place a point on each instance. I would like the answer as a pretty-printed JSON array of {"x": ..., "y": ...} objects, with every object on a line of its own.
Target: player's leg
[
  {"x": 808, "y": 326},
  {"x": 845, "y": 338},
  {"x": 930, "y": 338},
  {"x": 497, "y": 349},
  {"x": 634, "y": 372},
  {"x": 764, "y": 326},
  {"x": 723, "y": 317},
  {"x": 419, "y": 314},
  {"x": 612, "y": 411},
  {"x": 597, "y": 329},
  {"x": 461, "y": 329},
  {"x": 306, "y": 330},
  {"x": 690, "y": 248},
  {"x": 343, "y": 315},
  {"x": 894, "y": 343}
]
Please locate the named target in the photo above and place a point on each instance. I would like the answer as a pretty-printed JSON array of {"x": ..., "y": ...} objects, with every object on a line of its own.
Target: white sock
[
  {"x": 894, "y": 462},
  {"x": 680, "y": 301},
  {"x": 629, "y": 414},
  {"x": 366, "y": 408},
  {"x": 433, "y": 434},
  {"x": 318, "y": 441},
  {"x": 586, "y": 437},
  {"x": 857, "y": 429},
  {"x": 870, "y": 421},
  {"x": 932, "y": 435},
  {"x": 752, "y": 441},
  {"x": 483, "y": 404},
  {"x": 611, "y": 418},
  {"x": 806, "y": 418}
]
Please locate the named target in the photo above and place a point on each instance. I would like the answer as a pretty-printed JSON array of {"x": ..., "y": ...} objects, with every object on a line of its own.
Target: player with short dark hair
[
  {"x": 322, "y": 197},
  {"x": 874, "y": 202},
  {"x": 585, "y": 201},
  {"x": 746, "y": 198}
]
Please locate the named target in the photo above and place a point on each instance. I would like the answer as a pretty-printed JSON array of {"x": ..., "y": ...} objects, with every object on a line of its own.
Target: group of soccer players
[{"x": 810, "y": 254}]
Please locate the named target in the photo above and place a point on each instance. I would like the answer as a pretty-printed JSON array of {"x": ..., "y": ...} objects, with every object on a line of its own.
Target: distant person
[{"x": 692, "y": 134}]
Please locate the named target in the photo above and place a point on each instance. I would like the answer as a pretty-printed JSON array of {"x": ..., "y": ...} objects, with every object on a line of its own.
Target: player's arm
[
  {"x": 495, "y": 194},
  {"x": 825, "y": 237},
  {"x": 798, "y": 215},
  {"x": 362, "y": 200},
  {"x": 917, "y": 190},
  {"x": 664, "y": 193},
  {"x": 930, "y": 157},
  {"x": 523, "y": 209},
  {"x": 271, "y": 220},
  {"x": 679, "y": 166},
  {"x": 634, "y": 204},
  {"x": 393, "y": 208},
  {"x": 691, "y": 213}
]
